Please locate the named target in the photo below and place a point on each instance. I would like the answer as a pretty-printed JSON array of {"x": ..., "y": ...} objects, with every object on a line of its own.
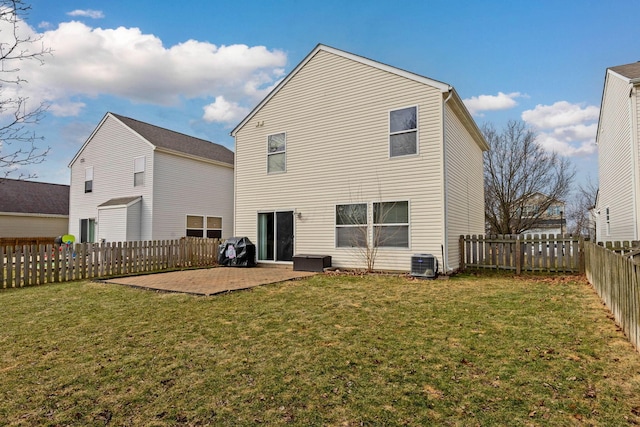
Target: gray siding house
[
  {"x": 135, "y": 181},
  {"x": 617, "y": 212},
  {"x": 348, "y": 153}
]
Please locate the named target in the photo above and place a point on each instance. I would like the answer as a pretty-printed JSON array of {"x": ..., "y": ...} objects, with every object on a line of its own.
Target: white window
[
  {"x": 138, "y": 171},
  {"x": 204, "y": 226},
  {"x": 351, "y": 225},
  {"x": 214, "y": 227},
  {"x": 88, "y": 180},
  {"x": 391, "y": 224},
  {"x": 277, "y": 153},
  {"x": 403, "y": 132}
]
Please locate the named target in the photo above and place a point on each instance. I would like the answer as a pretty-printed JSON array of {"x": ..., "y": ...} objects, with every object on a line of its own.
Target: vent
[{"x": 424, "y": 265}]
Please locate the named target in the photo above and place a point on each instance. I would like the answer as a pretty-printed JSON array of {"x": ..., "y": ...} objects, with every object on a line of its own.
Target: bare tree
[
  {"x": 518, "y": 170},
  {"x": 580, "y": 208},
  {"x": 18, "y": 142}
]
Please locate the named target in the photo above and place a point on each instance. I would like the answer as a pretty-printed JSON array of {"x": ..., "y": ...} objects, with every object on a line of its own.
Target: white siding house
[
  {"x": 135, "y": 181},
  {"x": 618, "y": 206},
  {"x": 346, "y": 149}
]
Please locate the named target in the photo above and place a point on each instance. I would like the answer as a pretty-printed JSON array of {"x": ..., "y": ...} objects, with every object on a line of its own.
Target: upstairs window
[
  {"x": 403, "y": 132},
  {"x": 88, "y": 180},
  {"x": 276, "y": 153},
  {"x": 138, "y": 171}
]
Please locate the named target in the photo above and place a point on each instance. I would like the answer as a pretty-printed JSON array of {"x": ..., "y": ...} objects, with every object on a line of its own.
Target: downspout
[
  {"x": 633, "y": 116},
  {"x": 445, "y": 187}
]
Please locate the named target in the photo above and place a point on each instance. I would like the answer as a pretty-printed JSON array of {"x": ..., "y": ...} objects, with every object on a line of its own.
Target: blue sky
[{"x": 198, "y": 66}]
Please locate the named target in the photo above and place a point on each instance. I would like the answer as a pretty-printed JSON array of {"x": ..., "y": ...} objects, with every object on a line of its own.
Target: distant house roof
[
  {"x": 171, "y": 141},
  {"x": 176, "y": 141},
  {"x": 30, "y": 197},
  {"x": 630, "y": 71}
]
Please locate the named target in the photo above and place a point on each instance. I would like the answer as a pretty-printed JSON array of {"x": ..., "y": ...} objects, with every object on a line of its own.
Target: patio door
[{"x": 275, "y": 236}]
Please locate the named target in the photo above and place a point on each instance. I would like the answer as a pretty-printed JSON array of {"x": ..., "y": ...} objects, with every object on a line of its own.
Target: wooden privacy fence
[
  {"x": 556, "y": 253},
  {"x": 39, "y": 264},
  {"x": 616, "y": 279}
]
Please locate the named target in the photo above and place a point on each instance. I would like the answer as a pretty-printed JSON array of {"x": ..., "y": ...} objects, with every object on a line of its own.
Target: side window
[
  {"x": 138, "y": 171},
  {"x": 195, "y": 226},
  {"x": 351, "y": 225},
  {"x": 88, "y": 180},
  {"x": 608, "y": 221},
  {"x": 214, "y": 227},
  {"x": 277, "y": 153},
  {"x": 403, "y": 132},
  {"x": 391, "y": 224}
]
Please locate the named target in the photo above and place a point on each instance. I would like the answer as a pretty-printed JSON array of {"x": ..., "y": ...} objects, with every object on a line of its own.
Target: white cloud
[
  {"x": 126, "y": 63},
  {"x": 223, "y": 111},
  {"x": 87, "y": 13},
  {"x": 562, "y": 113},
  {"x": 501, "y": 101},
  {"x": 566, "y": 128}
]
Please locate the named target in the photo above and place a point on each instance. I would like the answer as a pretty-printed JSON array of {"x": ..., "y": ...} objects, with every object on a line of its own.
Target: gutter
[{"x": 445, "y": 186}]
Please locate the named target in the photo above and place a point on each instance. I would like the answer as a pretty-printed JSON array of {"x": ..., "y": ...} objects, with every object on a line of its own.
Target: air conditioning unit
[{"x": 424, "y": 266}]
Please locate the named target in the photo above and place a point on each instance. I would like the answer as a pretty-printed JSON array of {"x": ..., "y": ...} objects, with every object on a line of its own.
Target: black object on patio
[{"x": 237, "y": 252}]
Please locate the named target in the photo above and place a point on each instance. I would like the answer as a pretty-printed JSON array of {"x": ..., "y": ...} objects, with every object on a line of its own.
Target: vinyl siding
[
  {"x": 32, "y": 226},
  {"x": 186, "y": 186},
  {"x": 464, "y": 185},
  {"x": 616, "y": 163},
  {"x": 112, "y": 224},
  {"x": 133, "y": 221},
  {"x": 110, "y": 151},
  {"x": 335, "y": 113}
]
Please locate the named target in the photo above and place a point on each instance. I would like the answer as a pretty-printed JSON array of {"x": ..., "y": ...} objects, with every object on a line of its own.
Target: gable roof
[
  {"x": 630, "y": 71},
  {"x": 31, "y": 197},
  {"x": 170, "y": 141},
  {"x": 445, "y": 88}
]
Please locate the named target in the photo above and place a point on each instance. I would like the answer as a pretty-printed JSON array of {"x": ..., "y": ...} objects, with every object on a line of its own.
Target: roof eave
[{"x": 193, "y": 157}]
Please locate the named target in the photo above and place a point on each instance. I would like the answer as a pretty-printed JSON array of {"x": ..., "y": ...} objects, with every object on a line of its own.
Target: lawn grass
[{"x": 328, "y": 350}]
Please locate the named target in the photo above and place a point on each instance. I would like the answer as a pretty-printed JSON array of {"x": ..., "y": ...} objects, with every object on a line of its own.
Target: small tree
[
  {"x": 579, "y": 211},
  {"x": 18, "y": 143},
  {"x": 516, "y": 170},
  {"x": 366, "y": 230}
]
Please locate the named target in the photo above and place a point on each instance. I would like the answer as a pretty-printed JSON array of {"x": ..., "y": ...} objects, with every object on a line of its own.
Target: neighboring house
[
  {"x": 618, "y": 206},
  {"x": 552, "y": 221},
  {"x": 135, "y": 181},
  {"x": 33, "y": 209},
  {"x": 345, "y": 144}
]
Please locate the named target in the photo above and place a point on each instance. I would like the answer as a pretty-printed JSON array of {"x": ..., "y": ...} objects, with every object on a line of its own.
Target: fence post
[
  {"x": 462, "y": 252},
  {"x": 518, "y": 255}
]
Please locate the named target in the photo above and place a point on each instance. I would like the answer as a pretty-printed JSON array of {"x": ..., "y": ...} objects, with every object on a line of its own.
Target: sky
[{"x": 198, "y": 67}]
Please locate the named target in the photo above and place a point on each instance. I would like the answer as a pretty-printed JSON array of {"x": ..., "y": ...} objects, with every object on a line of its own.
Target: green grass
[{"x": 328, "y": 350}]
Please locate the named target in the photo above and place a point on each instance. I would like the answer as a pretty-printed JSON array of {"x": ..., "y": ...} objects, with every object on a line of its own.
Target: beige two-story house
[{"x": 350, "y": 157}]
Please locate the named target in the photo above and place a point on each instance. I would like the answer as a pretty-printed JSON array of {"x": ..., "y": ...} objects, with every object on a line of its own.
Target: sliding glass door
[{"x": 275, "y": 236}]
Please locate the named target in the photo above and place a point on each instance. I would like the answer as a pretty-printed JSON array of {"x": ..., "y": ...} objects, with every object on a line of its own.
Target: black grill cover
[{"x": 237, "y": 252}]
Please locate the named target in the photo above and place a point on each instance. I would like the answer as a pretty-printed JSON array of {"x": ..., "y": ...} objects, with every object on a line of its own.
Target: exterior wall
[
  {"x": 12, "y": 225},
  {"x": 112, "y": 224},
  {"x": 464, "y": 186},
  {"x": 134, "y": 226},
  {"x": 335, "y": 113},
  {"x": 186, "y": 186},
  {"x": 617, "y": 164},
  {"x": 111, "y": 152}
]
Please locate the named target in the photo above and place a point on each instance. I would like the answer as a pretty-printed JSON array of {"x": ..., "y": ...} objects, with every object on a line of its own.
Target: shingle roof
[
  {"x": 19, "y": 196},
  {"x": 176, "y": 141},
  {"x": 119, "y": 201},
  {"x": 630, "y": 71}
]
